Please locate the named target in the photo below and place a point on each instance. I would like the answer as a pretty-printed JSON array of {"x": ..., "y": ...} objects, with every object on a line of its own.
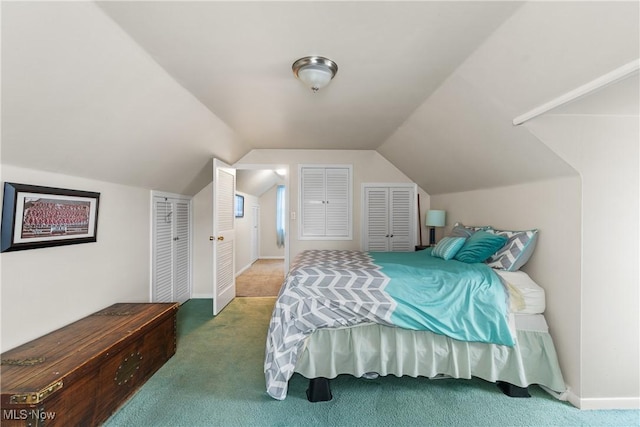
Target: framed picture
[
  {"x": 38, "y": 217},
  {"x": 239, "y": 206}
]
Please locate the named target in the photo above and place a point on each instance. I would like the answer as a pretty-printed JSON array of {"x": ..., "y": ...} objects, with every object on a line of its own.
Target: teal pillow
[
  {"x": 480, "y": 246},
  {"x": 448, "y": 247}
]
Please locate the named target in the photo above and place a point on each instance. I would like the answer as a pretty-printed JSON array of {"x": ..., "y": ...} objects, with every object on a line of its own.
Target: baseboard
[
  {"x": 202, "y": 296},
  {"x": 243, "y": 269},
  {"x": 609, "y": 403},
  {"x": 595, "y": 403},
  {"x": 271, "y": 257}
]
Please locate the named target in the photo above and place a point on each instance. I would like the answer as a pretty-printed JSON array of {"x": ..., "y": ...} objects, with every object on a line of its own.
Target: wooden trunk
[{"x": 79, "y": 375}]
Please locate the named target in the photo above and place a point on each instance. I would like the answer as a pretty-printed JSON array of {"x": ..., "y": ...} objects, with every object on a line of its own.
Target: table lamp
[{"x": 435, "y": 218}]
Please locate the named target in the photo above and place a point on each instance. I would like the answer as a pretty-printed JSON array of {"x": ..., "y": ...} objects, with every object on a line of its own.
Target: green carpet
[{"x": 216, "y": 379}]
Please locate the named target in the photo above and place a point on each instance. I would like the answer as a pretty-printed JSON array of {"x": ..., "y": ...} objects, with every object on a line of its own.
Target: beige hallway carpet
[{"x": 263, "y": 279}]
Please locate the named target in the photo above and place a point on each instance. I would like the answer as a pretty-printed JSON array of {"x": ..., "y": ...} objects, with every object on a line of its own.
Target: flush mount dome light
[{"x": 315, "y": 71}]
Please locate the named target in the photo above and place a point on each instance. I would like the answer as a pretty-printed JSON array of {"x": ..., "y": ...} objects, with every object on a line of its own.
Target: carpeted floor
[
  {"x": 216, "y": 379},
  {"x": 263, "y": 279}
]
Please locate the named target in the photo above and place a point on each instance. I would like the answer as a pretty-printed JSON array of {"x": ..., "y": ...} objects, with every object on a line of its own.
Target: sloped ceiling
[
  {"x": 236, "y": 57},
  {"x": 145, "y": 93},
  {"x": 257, "y": 181},
  {"x": 80, "y": 98},
  {"x": 464, "y": 131}
]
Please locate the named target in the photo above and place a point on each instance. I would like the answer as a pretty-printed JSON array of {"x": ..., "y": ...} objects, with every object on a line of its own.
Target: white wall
[
  {"x": 553, "y": 207},
  {"x": 45, "y": 289},
  {"x": 368, "y": 166},
  {"x": 268, "y": 243},
  {"x": 202, "y": 205},
  {"x": 243, "y": 227},
  {"x": 588, "y": 254},
  {"x": 605, "y": 150}
]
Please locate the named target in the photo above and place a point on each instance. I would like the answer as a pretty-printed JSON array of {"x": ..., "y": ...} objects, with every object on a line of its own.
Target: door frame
[
  {"x": 287, "y": 205},
  {"x": 255, "y": 234}
]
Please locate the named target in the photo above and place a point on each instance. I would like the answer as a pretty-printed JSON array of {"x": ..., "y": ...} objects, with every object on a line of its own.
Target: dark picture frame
[
  {"x": 239, "y": 206},
  {"x": 38, "y": 217}
]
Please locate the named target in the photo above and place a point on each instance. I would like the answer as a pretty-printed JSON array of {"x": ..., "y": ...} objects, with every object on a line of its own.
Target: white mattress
[{"x": 526, "y": 296}]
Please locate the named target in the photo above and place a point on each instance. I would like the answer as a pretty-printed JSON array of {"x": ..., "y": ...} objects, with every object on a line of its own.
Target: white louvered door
[
  {"x": 224, "y": 187},
  {"x": 182, "y": 252},
  {"x": 325, "y": 203},
  {"x": 162, "y": 281},
  {"x": 389, "y": 217},
  {"x": 402, "y": 219},
  {"x": 313, "y": 202},
  {"x": 171, "y": 277},
  {"x": 337, "y": 202},
  {"x": 376, "y": 221}
]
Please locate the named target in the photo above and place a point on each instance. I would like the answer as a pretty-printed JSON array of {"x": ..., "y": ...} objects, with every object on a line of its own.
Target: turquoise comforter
[
  {"x": 467, "y": 302},
  {"x": 411, "y": 290}
]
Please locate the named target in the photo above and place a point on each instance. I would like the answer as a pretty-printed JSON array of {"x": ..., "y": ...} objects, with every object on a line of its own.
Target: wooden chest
[{"x": 82, "y": 373}]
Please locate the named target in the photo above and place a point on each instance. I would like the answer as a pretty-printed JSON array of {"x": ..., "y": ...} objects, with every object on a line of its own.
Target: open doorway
[{"x": 261, "y": 256}]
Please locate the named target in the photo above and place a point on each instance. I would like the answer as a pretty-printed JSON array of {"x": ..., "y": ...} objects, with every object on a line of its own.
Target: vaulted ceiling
[{"x": 146, "y": 93}]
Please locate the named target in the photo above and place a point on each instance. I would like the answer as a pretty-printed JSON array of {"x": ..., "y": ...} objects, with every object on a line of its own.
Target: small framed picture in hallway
[{"x": 239, "y": 206}]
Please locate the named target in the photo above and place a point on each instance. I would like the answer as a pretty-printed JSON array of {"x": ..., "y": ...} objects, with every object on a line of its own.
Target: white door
[
  {"x": 389, "y": 218},
  {"x": 402, "y": 219},
  {"x": 337, "y": 202},
  {"x": 376, "y": 219},
  {"x": 171, "y": 277},
  {"x": 224, "y": 187},
  {"x": 182, "y": 248},
  {"x": 162, "y": 281},
  {"x": 255, "y": 233}
]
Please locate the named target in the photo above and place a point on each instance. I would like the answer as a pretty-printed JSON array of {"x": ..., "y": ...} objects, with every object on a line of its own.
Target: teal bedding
[
  {"x": 467, "y": 302},
  {"x": 410, "y": 290}
]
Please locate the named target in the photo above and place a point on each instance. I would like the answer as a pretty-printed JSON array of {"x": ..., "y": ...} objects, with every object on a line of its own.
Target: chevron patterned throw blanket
[{"x": 337, "y": 288}]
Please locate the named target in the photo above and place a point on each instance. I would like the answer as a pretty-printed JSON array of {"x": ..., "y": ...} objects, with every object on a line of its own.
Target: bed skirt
[{"x": 393, "y": 351}]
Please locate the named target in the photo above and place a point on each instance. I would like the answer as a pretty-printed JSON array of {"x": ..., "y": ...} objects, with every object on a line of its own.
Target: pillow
[
  {"x": 516, "y": 252},
  {"x": 480, "y": 246},
  {"x": 448, "y": 247},
  {"x": 461, "y": 230}
]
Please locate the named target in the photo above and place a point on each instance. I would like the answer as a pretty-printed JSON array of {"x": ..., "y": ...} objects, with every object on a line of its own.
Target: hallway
[{"x": 263, "y": 279}]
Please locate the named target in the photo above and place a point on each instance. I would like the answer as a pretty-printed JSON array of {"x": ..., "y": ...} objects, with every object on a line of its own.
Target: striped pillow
[
  {"x": 516, "y": 252},
  {"x": 448, "y": 247},
  {"x": 461, "y": 230}
]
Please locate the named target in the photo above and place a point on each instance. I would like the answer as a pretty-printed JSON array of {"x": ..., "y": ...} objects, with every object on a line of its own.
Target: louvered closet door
[
  {"x": 376, "y": 219},
  {"x": 162, "y": 287},
  {"x": 337, "y": 202},
  {"x": 313, "y": 202},
  {"x": 181, "y": 252},
  {"x": 401, "y": 219}
]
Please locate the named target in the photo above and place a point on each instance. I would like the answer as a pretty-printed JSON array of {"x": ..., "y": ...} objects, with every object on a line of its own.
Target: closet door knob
[{"x": 220, "y": 238}]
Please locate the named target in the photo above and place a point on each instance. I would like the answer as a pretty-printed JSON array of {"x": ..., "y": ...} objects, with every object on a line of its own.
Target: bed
[{"x": 407, "y": 313}]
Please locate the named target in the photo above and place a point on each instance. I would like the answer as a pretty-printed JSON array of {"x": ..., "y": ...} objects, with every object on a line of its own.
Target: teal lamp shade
[{"x": 435, "y": 218}]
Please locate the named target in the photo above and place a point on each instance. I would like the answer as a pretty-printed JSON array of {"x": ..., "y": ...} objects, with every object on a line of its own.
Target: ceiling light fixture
[{"x": 315, "y": 71}]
